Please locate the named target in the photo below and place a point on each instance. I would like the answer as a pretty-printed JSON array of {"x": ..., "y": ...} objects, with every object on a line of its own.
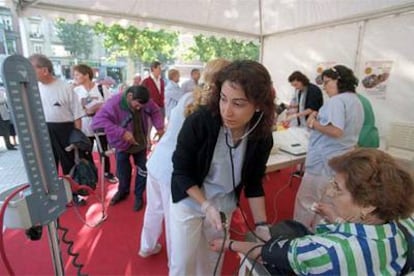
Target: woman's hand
[
  {"x": 326, "y": 211},
  {"x": 212, "y": 215},
  {"x": 311, "y": 119},
  {"x": 93, "y": 109},
  {"x": 215, "y": 245},
  {"x": 291, "y": 117},
  {"x": 263, "y": 232}
]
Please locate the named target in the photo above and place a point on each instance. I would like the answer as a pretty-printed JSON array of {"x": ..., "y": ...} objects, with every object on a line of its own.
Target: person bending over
[{"x": 220, "y": 150}]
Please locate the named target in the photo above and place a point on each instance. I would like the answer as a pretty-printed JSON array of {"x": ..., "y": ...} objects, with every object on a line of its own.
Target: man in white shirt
[
  {"x": 173, "y": 91},
  {"x": 62, "y": 110}
]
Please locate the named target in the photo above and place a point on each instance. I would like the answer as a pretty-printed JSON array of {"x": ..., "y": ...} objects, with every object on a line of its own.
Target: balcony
[{"x": 36, "y": 36}]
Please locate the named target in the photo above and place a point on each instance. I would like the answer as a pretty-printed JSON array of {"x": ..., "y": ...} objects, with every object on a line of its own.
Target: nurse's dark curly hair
[
  {"x": 254, "y": 79},
  {"x": 346, "y": 80}
]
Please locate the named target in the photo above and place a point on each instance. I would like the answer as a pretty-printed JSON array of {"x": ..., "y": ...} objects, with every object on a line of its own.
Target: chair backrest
[{"x": 401, "y": 136}]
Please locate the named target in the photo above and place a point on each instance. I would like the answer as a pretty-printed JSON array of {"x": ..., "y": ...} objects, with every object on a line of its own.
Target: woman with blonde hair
[{"x": 159, "y": 165}]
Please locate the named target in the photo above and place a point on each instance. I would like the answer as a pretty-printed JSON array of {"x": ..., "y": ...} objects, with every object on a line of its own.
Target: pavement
[{"x": 12, "y": 170}]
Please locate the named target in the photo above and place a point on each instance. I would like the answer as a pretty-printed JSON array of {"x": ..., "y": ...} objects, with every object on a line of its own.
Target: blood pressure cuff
[{"x": 275, "y": 251}]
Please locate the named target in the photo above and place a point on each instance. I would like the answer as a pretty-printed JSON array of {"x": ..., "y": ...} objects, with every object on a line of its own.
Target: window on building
[
  {"x": 2, "y": 48},
  {"x": 35, "y": 30},
  {"x": 7, "y": 22},
  {"x": 37, "y": 48},
  {"x": 59, "y": 51},
  {"x": 11, "y": 47}
]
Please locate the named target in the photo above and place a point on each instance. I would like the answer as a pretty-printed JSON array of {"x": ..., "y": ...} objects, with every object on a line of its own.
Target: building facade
[{"x": 10, "y": 42}]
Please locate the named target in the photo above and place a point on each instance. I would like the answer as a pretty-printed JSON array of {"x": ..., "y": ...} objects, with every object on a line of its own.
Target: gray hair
[{"x": 42, "y": 61}]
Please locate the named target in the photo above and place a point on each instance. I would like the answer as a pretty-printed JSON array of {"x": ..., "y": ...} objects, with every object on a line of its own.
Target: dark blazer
[
  {"x": 194, "y": 152},
  {"x": 314, "y": 98}
]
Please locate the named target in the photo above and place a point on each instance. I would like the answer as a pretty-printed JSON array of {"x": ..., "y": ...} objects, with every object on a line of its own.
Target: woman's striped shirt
[{"x": 351, "y": 249}]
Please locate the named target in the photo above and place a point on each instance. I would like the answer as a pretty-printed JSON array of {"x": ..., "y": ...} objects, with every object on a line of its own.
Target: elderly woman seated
[{"x": 368, "y": 227}]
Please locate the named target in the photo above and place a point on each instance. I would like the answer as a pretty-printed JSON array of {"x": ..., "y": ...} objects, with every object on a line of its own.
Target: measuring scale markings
[{"x": 48, "y": 196}]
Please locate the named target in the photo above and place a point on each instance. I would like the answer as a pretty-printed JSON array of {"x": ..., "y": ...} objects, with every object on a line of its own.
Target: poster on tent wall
[
  {"x": 376, "y": 75},
  {"x": 320, "y": 68}
]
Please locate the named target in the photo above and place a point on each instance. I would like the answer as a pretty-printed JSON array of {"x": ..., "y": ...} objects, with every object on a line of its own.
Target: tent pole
[
  {"x": 261, "y": 31},
  {"x": 361, "y": 34}
]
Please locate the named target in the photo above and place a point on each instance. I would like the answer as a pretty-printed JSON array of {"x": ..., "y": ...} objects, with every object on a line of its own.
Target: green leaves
[
  {"x": 207, "y": 48},
  {"x": 77, "y": 38},
  {"x": 146, "y": 45}
]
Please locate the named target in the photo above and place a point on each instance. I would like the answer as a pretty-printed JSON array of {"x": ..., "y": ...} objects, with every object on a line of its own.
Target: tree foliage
[
  {"x": 77, "y": 38},
  {"x": 145, "y": 45},
  {"x": 207, "y": 48}
]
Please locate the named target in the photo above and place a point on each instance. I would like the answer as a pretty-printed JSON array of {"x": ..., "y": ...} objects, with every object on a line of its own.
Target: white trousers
[
  {"x": 312, "y": 189},
  {"x": 191, "y": 233},
  {"x": 157, "y": 210}
]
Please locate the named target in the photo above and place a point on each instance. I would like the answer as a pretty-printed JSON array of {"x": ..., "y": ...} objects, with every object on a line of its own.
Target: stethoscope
[
  {"x": 231, "y": 148},
  {"x": 235, "y": 145}
]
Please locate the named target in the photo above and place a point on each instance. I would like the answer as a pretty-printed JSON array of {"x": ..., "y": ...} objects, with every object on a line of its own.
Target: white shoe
[{"x": 156, "y": 250}]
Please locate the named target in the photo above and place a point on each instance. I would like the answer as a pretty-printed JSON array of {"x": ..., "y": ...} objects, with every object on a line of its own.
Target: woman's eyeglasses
[{"x": 325, "y": 82}]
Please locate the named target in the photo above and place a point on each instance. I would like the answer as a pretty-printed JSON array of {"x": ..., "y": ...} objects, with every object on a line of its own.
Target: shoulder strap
[
  {"x": 100, "y": 88},
  {"x": 409, "y": 264}
]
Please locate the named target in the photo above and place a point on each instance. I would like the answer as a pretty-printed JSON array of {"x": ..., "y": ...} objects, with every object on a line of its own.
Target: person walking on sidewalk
[
  {"x": 5, "y": 120},
  {"x": 124, "y": 118}
]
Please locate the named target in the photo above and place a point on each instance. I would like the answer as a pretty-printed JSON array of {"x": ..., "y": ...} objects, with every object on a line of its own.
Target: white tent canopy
[
  {"x": 250, "y": 18},
  {"x": 296, "y": 35}
]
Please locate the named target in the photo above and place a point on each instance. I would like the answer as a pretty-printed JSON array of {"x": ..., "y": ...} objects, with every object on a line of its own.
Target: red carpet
[{"x": 111, "y": 248}]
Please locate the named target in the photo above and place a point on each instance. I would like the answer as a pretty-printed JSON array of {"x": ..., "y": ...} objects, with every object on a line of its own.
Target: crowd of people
[{"x": 214, "y": 137}]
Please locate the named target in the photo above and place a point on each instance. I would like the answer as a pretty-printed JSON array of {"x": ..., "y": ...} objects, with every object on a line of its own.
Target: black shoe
[
  {"x": 298, "y": 174},
  {"x": 110, "y": 177},
  {"x": 11, "y": 147},
  {"x": 78, "y": 200},
  {"x": 118, "y": 197},
  {"x": 138, "y": 204}
]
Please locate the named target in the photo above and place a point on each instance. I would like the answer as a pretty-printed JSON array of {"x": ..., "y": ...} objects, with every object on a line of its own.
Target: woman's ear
[{"x": 368, "y": 209}]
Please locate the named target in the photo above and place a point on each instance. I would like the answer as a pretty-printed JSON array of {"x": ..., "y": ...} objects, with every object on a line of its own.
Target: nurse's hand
[
  {"x": 263, "y": 232},
  {"x": 212, "y": 215},
  {"x": 217, "y": 244}
]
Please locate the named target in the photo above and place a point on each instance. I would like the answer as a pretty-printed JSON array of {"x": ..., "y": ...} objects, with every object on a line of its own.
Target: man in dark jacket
[{"x": 124, "y": 118}]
